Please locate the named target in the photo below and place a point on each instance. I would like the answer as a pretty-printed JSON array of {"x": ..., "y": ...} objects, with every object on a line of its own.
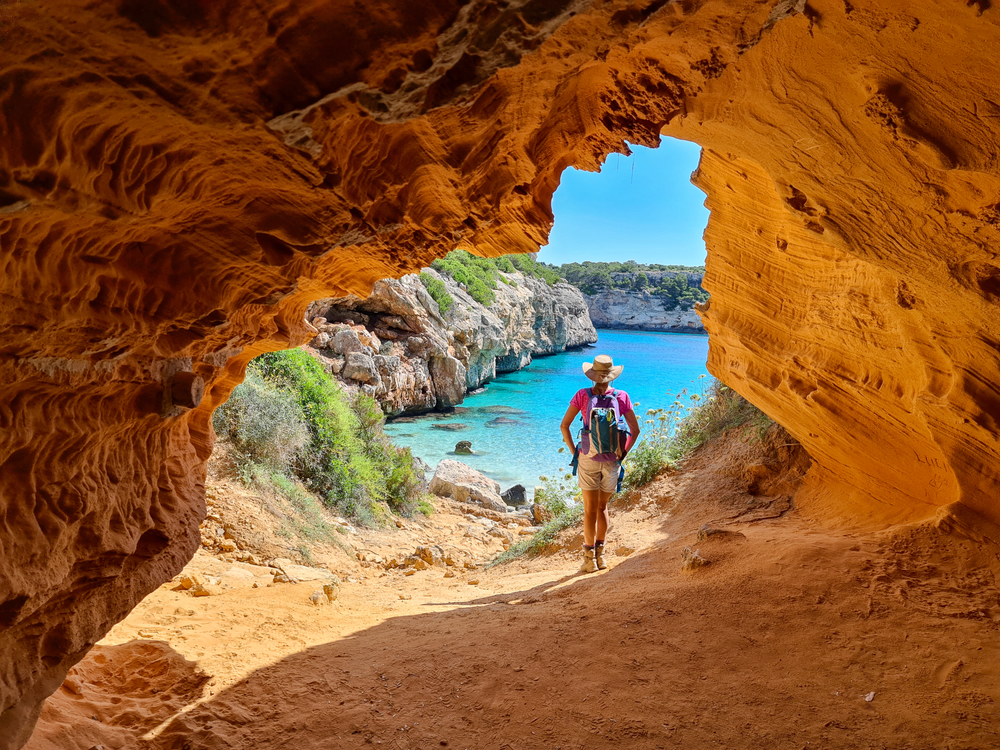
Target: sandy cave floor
[{"x": 776, "y": 643}]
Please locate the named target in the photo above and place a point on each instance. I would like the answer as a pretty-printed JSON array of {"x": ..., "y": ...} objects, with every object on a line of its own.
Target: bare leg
[
  {"x": 602, "y": 516},
  {"x": 591, "y": 511},
  {"x": 596, "y": 518}
]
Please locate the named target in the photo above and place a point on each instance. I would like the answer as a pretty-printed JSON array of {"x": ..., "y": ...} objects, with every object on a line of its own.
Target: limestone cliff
[
  {"x": 398, "y": 346},
  {"x": 640, "y": 311},
  {"x": 179, "y": 181}
]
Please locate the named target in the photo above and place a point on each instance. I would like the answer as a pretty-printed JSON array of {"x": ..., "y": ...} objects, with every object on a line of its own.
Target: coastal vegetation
[
  {"x": 438, "y": 291},
  {"x": 481, "y": 275},
  {"x": 563, "y": 503},
  {"x": 290, "y": 422},
  {"x": 673, "y": 433},
  {"x": 677, "y": 286}
]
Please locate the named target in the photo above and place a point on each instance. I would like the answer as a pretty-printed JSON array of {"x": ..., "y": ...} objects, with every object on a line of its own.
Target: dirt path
[{"x": 792, "y": 637}]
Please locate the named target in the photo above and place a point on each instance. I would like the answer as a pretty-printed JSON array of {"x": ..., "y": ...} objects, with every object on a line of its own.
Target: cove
[{"x": 513, "y": 423}]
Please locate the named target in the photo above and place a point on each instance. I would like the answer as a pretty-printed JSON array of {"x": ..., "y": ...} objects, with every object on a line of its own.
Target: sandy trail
[{"x": 775, "y": 644}]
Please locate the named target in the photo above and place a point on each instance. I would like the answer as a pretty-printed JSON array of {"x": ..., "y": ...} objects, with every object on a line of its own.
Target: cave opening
[{"x": 851, "y": 167}]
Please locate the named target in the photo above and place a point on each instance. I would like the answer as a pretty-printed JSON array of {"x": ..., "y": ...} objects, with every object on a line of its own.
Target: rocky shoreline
[{"x": 398, "y": 346}]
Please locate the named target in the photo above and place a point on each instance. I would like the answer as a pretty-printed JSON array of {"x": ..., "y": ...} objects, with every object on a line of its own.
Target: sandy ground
[{"x": 791, "y": 637}]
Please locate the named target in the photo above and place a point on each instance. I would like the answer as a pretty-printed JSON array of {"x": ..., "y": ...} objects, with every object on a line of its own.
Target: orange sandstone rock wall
[
  {"x": 852, "y": 172},
  {"x": 179, "y": 179}
]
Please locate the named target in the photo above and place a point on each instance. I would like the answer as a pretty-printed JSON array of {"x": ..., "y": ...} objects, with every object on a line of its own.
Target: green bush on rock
[{"x": 438, "y": 292}]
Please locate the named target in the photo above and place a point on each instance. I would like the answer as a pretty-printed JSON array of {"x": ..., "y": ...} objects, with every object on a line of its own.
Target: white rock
[{"x": 466, "y": 485}]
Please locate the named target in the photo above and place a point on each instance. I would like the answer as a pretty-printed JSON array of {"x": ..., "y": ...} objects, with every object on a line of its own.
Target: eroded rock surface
[
  {"x": 418, "y": 357},
  {"x": 179, "y": 181}
]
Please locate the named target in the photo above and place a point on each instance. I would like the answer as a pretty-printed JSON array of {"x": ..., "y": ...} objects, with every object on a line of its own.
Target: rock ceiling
[{"x": 178, "y": 180}]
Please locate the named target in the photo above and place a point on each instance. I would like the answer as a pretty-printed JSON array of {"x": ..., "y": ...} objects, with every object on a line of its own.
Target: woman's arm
[
  {"x": 633, "y": 425},
  {"x": 571, "y": 412}
]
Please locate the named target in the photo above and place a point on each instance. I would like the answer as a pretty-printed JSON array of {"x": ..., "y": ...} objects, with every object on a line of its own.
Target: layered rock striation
[
  {"x": 179, "y": 181},
  {"x": 640, "y": 311},
  {"x": 399, "y": 347}
]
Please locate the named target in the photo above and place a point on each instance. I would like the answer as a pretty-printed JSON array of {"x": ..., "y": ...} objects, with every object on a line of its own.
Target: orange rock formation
[{"x": 179, "y": 179}]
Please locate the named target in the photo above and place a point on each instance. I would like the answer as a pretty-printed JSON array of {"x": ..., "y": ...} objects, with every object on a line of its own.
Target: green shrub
[
  {"x": 531, "y": 267},
  {"x": 346, "y": 459},
  {"x": 503, "y": 263},
  {"x": 673, "y": 433},
  {"x": 538, "y": 541},
  {"x": 478, "y": 275},
  {"x": 438, "y": 292},
  {"x": 674, "y": 290},
  {"x": 262, "y": 424}
]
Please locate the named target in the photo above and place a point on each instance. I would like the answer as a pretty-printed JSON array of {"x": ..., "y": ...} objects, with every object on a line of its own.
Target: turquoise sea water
[{"x": 529, "y": 404}]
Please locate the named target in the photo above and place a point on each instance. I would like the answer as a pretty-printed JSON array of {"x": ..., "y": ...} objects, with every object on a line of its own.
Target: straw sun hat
[{"x": 602, "y": 369}]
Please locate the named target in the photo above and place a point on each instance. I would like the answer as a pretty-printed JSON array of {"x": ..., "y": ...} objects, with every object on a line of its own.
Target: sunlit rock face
[
  {"x": 851, "y": 167},
  {"x": 179, "y": 180}
]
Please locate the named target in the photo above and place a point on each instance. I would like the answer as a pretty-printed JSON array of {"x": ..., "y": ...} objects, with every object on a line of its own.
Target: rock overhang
[{"x": 179, "y": 181}]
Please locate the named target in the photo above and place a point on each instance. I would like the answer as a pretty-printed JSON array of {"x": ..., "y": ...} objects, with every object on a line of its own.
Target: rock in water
[
  {"x": 450, "y": 426},
  {"x": 516, "y": 495},
  {"x": 466, "y": 485},
  {"x": 501, "y": 421},
  {"x": 464, "y": 447}
]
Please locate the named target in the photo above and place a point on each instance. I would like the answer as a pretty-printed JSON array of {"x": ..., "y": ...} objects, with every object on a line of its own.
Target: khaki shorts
[{"x": 598, "y": 475}]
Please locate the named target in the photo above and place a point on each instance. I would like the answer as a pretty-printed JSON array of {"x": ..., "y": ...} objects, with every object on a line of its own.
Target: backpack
[{"x": 606, "y": 427}]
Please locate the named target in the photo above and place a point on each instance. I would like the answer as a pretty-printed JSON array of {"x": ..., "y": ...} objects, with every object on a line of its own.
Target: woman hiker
[{"x": 598, "y": 472}]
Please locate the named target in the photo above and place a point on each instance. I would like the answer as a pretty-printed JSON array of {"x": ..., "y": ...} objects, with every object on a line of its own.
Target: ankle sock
[
  {"x": 599, "y": 544},
  {"x": 588, "y": 546}
]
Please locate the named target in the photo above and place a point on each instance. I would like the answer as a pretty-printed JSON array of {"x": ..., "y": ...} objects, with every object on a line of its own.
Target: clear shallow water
[{"x": 514, "y": 423}]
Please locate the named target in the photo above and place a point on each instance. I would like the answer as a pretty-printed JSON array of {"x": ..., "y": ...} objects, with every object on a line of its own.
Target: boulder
[
  {"x": 331, "y": 591},
  {"x": 433, "y": 555},
  {"x": 464, "y": 447},
  {"x": 345, "y": 341},
  {"x": 369, "y": 339},
  {"x": 692, "y": 560},
  {"x": 188, "y": 581},
  {"x": 302, "y": 572},
  {"x": 466, "y": 485},
  {"x": 420, "y": 470},
  {"x": 516, "y": 495},
  {"x": 417, "y": 563},
  {"x": 540, "y": 514},
  {"x": 360, "y": 367}
]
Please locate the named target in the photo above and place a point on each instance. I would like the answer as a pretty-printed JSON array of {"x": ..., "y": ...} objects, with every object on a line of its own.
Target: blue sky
[{"x": 641, "y": 208}]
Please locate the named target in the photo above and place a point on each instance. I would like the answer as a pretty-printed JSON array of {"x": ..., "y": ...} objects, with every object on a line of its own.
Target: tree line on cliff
[{"x": 676, "y": 286}]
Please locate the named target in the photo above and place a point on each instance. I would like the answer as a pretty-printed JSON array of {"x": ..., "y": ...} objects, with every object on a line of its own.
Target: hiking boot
[
  {"x": 588, "y": 561},
  {"x": 599, "y": 557}
]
